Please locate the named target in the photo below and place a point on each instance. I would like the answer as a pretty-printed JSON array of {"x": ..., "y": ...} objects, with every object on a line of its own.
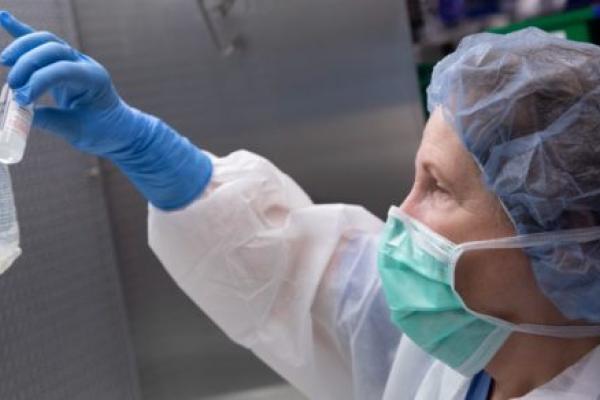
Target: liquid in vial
[{"x": 15, "y": 124}]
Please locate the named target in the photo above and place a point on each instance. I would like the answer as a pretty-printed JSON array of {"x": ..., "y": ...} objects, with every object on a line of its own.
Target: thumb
[
  {"x": 62, "y": 123},
  {"x": 13, "y": 26}
]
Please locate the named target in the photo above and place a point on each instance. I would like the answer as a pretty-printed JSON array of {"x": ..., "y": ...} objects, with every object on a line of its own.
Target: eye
[
  {"x": 431, "y": 186},
  {"x": 436, "y": 186},
  {"x": 439, "y": 192}
]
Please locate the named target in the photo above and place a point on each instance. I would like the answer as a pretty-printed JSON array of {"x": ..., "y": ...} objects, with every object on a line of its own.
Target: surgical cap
[{"x": 527, "y": 106}]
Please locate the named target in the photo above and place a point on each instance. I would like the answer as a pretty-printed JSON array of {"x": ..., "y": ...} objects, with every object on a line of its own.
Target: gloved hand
[{"x": 165, "y": 167}]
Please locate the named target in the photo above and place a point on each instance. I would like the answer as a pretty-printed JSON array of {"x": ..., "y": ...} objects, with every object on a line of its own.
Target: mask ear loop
[{"x": 580, "y": 235}]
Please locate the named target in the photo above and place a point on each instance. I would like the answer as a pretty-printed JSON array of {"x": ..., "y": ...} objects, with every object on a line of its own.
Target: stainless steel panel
[{"x": 324, "y": 88}]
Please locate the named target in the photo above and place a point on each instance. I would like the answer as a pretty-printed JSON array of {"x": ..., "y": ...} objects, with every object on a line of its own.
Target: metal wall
[
  {"x": 63, "y": 330},
  {"x": 324, "y": 88}
]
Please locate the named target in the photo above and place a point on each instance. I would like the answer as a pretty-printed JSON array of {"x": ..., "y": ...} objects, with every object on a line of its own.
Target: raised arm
[{"x": 294, "y": 282}]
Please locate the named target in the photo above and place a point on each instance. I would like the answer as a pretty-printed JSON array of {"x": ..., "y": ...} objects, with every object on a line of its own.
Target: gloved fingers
[
  {"x": 54, "y": 120},
  {"x": 38, "y": 58},
  {"x": 77, "y": 76},
  {"x": 13, "y": 26},
  {"x": 24, "y": 44}
]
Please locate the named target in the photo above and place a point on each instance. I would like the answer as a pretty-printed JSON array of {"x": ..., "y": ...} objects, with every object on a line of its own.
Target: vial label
[
  {"x": 15, "y": 124},
  {"x": 18, "y": 120}
]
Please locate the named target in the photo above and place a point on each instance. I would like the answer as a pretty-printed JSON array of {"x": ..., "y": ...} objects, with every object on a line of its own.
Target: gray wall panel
[
  {"x": 180, "y": 354},
  {"x": 63, "y": 329},
  {"x": 325, "y": 88}
]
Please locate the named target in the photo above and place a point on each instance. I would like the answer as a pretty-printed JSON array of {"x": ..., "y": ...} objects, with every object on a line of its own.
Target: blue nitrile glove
[{"x": 165, "y": 167}]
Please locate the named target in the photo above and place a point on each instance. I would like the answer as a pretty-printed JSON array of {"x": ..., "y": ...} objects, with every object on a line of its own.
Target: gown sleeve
[{"x": 294, "y": 282}]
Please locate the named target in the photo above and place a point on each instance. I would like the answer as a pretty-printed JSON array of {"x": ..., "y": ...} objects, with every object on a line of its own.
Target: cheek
[
  {"x": 501, "y": 283},
  {"x": 476, "y": 216},
  {"x": 485, "y": 278}
]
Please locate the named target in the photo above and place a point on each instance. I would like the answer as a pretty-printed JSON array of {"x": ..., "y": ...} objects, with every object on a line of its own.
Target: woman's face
[{"x": 448, "y": 195}]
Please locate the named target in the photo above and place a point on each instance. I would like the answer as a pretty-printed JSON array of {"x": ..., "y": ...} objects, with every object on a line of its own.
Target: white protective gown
[{"x": 297, "y": 283}]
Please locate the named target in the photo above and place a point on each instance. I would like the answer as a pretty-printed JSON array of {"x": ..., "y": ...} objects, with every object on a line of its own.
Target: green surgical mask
[{"x": 417, "y": 268}]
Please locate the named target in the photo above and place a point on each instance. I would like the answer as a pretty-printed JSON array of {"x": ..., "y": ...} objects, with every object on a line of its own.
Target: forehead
[
  {"x": 442, "y": 148},
  {"x": 440, "y": 139}
]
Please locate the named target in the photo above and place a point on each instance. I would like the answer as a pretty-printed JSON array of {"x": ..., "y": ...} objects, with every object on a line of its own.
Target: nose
[{"x": 408, "y": 205}]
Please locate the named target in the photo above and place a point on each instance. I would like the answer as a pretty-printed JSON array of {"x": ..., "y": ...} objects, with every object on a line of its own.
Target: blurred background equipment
[
  {"x": 438, "y": 25},
  {"x": 326, "y": 89}
]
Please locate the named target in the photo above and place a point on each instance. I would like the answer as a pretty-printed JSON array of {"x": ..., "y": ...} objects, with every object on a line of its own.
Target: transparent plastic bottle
[
  {"x": 15, "y": 124},
  {"x": 10, "y": 249}
]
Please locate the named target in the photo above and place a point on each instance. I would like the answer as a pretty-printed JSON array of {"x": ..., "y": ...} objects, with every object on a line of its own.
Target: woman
[{"x": 489, "y": 269}]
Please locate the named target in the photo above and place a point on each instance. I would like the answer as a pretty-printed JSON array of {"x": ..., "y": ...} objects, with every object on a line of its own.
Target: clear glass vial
[
  {"x": 9, "y": 226},
  {"x": 15, "y": 124}
]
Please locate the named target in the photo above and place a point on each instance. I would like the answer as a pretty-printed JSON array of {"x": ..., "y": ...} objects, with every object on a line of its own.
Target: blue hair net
[{"x": 527, "y": 106}]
